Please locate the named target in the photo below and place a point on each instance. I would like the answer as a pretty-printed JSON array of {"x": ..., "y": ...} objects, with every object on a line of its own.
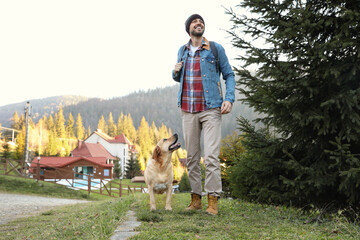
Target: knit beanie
[{"x": 190, "y": 19}]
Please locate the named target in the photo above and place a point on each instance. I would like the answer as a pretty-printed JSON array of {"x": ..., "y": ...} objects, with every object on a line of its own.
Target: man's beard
[{"x": 197, "y": 34}]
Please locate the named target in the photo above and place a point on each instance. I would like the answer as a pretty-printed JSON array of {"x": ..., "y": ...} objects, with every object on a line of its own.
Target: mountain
[
  {"x": 158, "y": 106},
  {"x": 40, "y": 107}
]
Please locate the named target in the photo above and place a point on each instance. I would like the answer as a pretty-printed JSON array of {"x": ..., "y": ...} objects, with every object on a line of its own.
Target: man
[{"x": 201, "y": 100}]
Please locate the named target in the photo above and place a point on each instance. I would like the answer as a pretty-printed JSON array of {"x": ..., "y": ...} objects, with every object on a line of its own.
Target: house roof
[
  {"x": 117, "y": 139},
  {"x": 85, "y": 149},
  {"x": 59, "y": 162}
]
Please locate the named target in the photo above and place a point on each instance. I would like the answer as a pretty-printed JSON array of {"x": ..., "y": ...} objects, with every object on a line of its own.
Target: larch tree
[
  {"x": 144, "y": 139},
  {"x": 120, "y": 124},
  {"x": 102, "y": 124},
  {"x": 80, "y": 130},
  {"x": 15, "y": 121},
  {"x": 130, "y": 132},
  {"x": 70, "y": 126},
  {"x": 111, "y": 126}
]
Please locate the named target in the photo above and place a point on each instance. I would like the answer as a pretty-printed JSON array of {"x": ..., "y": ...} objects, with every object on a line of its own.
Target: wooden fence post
[
  {"x": 120, "y": 192},
  {"x": 89, "y": 184},
  {"x": 110, "y": 188},
  {"x": 37, "y": 171},
  {"x": 6, "y": 163},
  {"x": 101, "y": 182}
]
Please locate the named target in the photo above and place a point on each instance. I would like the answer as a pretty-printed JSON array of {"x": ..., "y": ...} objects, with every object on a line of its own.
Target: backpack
[{"x": 213, "y": 50}]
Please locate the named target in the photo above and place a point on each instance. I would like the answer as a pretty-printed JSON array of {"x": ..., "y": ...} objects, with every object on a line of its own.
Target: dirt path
[{"x": 17, "y": 205}]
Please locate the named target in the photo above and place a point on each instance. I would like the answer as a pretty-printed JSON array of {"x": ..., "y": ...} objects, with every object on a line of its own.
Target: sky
[{"x": 101, "y": 49}]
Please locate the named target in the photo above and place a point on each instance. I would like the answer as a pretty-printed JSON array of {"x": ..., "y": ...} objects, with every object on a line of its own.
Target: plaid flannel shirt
[{"x": 192, "y": 99}]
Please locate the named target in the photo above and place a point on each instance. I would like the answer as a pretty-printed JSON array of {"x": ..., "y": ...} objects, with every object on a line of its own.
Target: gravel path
[{"x": 17, "y": 205}]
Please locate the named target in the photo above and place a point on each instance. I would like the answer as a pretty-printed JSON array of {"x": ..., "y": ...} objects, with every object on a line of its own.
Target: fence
[{"x": 41, "y": 172}]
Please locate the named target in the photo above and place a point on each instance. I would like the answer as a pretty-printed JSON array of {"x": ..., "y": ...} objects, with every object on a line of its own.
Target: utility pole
[{"x": 27, "y": 116}]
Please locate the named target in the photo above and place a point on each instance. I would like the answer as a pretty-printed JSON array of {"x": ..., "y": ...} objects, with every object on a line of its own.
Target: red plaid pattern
[{"x": 192, "y": 99}]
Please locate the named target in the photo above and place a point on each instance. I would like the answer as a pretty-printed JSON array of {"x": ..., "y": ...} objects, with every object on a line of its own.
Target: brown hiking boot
[
  {"x": 212, "y": 205},
  {"x": 195, "y": 202}
]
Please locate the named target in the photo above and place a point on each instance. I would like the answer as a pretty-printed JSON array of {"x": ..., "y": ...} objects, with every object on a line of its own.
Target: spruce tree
[
  {"x": 184, "y": 184},
  {"x": 6, "y": 151},
  {"x": 307, "y": 87},
  {"x": 133, "y": 168},
  {"x": 60, "y": 124}
]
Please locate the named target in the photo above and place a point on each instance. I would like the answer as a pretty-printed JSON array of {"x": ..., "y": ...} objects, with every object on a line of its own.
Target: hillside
[
  {"x": 158, "y": 106},
  {"x": 40, "y": 107}
]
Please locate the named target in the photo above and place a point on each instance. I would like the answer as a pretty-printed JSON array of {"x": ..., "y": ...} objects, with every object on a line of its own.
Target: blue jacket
[{"x": 210, "y": 77}]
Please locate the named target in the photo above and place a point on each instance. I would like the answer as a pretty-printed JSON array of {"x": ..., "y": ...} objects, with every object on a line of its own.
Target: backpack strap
[
  {"x": 214, "y": 51},
  {"x": 182, "y": 51}
]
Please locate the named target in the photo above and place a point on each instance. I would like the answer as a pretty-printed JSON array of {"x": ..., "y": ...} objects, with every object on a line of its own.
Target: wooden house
[{"x": 71, "y": 167}]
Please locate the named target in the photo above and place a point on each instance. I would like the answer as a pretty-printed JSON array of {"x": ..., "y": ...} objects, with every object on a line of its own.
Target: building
[
  {"x": 119, "y": 146},
  {"x": 71, "y": 167}
]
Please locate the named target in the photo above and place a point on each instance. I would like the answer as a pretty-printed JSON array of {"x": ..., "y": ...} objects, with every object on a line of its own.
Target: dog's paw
[{"x": 168, "y": 208}]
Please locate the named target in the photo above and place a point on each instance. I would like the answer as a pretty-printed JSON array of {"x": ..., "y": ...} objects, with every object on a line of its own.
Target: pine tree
[
  {"x": 80, "y": 130},
  {"x": 307, "y": 88}
]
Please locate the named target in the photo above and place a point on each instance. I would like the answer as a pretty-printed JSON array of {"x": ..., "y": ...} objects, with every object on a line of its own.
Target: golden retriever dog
[{"x": 159, "y": 173}]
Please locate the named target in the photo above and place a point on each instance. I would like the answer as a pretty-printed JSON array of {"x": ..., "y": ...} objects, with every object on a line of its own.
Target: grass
[
  {"x": 128, "y": 182},
  {"x": 11, "y": 184},
  {"x": 236, "y": 219},
  {"x": 94, "y": 220}
]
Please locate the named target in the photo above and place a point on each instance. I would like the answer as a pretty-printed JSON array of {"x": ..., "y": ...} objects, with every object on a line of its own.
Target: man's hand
[
  {"x": 226, "y": 107},
  {"x": 178, "y": 67}
]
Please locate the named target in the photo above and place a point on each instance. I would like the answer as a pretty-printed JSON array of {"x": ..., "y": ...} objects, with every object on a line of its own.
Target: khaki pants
[{"x": 210, "y": 122}]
